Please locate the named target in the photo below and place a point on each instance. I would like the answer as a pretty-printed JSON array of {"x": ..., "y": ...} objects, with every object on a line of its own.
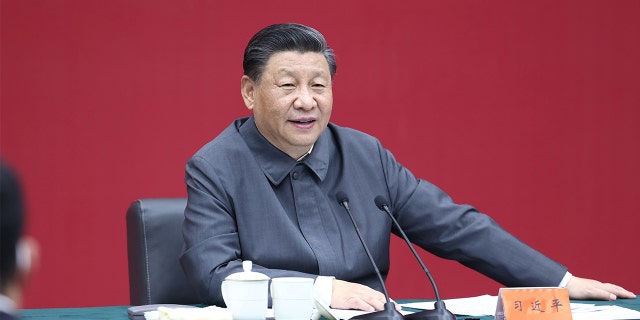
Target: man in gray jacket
[{"x": 265, "y": 190}]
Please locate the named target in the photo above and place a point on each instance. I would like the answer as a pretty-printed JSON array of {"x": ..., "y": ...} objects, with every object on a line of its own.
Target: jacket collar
[{"x": 276, "y": 164}]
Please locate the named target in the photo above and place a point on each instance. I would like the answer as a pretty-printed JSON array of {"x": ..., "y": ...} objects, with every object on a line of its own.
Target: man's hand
[
  {"x": 348, "y": 295},
  {"x": 587, "y": 289}
]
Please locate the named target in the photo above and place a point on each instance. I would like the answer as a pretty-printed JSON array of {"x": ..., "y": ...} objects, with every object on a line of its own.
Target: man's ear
[{"x": 247, "y": 88}]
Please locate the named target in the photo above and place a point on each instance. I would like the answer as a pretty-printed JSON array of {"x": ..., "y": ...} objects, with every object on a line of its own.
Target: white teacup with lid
[{"x": 246, "y": 293}]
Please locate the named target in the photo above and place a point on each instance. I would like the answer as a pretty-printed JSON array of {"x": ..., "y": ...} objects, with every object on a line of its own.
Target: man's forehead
[{"x": 290, "y": 61}]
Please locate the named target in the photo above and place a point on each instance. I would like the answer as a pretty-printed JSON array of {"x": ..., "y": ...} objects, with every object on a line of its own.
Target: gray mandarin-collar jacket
[{"x": 247, "y": 200}]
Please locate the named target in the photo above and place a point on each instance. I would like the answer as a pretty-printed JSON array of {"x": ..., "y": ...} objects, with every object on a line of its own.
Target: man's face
[{"x": 292, "y": 101}]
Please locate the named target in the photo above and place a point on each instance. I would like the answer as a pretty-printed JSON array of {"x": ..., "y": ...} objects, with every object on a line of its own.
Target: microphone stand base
[
  {"x": 389, "y": 313},
  {"x": 439, "y": 312},
  {"x": 431, "y": 315}
]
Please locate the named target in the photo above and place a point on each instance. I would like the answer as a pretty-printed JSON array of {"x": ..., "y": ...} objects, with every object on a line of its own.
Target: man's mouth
[{"x": 303, "y": 121}]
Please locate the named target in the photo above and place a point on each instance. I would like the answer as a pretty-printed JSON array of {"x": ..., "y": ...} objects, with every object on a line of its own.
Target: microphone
[
  {"x": 440, "y": 311},
  {"x": 389, "y": 311}
]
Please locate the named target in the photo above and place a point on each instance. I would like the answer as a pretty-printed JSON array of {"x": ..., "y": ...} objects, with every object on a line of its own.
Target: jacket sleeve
[{"x": 433, "y": 221}]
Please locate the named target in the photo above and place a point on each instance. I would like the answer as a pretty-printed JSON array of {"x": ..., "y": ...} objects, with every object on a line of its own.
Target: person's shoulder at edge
[
  {"x": 228, "y": 138},
  {"x": 349, "y": 135}
]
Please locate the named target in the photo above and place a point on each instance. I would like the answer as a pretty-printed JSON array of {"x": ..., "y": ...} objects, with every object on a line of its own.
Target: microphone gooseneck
[
  {"x": 381, "y": 203},
  {"x": 440, "y": 311},
  {"x": 389, "y": 311}
]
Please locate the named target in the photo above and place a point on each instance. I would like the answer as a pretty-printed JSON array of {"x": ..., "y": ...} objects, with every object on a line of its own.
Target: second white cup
[{"x": 292, "y": 298}]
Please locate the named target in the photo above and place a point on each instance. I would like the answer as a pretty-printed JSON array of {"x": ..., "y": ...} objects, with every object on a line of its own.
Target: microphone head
[
  {"x": 381, "y": 202},
  {"x": 342, "y": 197}
]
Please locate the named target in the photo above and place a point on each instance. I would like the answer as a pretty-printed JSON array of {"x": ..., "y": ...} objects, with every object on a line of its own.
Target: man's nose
[{"x": 305, "y": 99}]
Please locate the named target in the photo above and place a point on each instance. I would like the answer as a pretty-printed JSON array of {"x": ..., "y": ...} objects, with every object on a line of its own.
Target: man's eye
[{"x": 287, "y": 85}]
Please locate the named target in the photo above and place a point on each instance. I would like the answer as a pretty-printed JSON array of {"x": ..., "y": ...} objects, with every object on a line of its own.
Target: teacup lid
[{"x": 247, "y": 275}]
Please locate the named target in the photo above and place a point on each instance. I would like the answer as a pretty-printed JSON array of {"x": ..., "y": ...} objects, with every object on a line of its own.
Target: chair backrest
[{"x": 154, "y": 244}]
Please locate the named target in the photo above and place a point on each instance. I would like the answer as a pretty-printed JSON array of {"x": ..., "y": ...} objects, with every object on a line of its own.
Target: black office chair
[{"x": 154, "y": 244}]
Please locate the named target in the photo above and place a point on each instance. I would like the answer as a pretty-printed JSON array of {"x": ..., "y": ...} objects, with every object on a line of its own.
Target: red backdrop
[{"x": 529, "y": 111}]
